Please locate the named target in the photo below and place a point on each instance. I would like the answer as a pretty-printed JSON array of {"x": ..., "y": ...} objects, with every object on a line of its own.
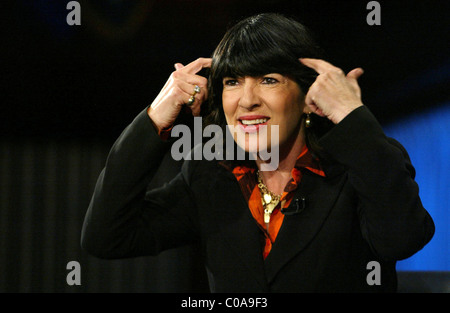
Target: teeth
[{"x": 254, "y": 122}]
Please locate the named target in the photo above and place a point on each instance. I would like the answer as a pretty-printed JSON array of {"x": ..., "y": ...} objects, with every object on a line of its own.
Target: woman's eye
[
  {"x": 269, "y": 80},
  {"x": 230, "y": 82}
]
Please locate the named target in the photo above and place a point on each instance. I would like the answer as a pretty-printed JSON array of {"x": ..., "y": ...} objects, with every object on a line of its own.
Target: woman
[{"x": 342, "y": 195}]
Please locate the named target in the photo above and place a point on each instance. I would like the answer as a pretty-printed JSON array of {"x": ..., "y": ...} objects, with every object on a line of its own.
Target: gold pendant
[
  {"x": 267, "y": 198},
  {"x": 266, "y": 217},
  {"x": 268, "y": 211}
]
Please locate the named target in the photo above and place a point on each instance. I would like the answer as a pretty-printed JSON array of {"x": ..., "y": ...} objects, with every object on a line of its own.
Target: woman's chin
[{"x": 253, "y": 147}]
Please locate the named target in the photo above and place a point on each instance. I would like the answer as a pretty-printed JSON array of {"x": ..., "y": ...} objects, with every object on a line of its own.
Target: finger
[
  {"x": 319, "y": 112},
  {"x": 181, "y": 76},
  {"x": 311, "y": 104},
  {"x": 315, "y": 109},
  {"x": 194, "y": 110},
  {"x": 184, "y": 91},
  {"x": 197, "y": 65},
  {"x": 178, "y": 66},
  {"x": 320, "y": 66},
  {"x": 355, "y": 73},
  {"x": 195, "y": 107},
  {"x": 352, "y": 78}
]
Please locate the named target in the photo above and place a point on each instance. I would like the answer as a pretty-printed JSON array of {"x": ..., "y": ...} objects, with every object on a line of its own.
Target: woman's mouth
[
  {"x": 255, "y": 121},
  {"x": 251, "y": 124}
]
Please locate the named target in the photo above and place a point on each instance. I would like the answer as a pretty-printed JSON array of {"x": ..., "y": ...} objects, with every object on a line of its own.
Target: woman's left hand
[{"x": 333, "y": 95}]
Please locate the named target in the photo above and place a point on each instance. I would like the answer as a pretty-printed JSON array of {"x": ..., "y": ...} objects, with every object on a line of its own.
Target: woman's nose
[{"x": 249, "y": 98}]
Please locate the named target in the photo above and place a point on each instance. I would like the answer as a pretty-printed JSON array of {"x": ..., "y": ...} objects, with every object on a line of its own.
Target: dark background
[
  {"x": 68, "y": 91},
  {"x": 89, "y": 80}
]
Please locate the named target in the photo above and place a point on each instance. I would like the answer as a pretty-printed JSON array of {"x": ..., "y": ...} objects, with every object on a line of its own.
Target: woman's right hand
[{"x": 176, "y": 93}]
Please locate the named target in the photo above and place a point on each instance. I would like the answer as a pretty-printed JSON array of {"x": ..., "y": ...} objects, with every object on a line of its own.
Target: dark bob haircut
[{"x": 259, "y": 45}]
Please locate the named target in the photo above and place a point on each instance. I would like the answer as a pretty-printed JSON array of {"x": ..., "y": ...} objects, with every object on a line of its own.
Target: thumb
[
  {"x": 355, "y": 73},
  {"x": 352, "y": 78}
]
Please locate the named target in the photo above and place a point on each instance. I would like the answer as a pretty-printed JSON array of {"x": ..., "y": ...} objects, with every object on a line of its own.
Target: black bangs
[
  {"x": 265, "y": 44},
  {"x": 251, "y": 53}
]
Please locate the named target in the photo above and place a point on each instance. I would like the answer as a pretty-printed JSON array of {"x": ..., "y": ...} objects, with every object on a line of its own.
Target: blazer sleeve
[
  {"x": 124, "y": 219},
  {"x": 392, "y": 218}
]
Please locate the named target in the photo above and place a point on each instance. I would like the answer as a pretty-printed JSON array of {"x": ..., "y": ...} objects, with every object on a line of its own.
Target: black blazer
[{"x": 366, "y": 209}]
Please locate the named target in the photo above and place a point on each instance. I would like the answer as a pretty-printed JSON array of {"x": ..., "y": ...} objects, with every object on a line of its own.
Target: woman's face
[{"x": 252, "y": 105}]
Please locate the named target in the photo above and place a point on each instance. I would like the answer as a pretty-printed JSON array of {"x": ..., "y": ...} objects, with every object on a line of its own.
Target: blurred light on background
[{"x": 426, "y": 137}]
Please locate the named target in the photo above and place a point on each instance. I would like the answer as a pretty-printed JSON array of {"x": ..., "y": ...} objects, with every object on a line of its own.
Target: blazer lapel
[
  {"x": 239, "y": 229},
  {"x": 299, "y": 229}
]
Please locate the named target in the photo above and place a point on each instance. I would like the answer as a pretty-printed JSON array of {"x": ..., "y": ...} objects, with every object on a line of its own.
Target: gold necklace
[{"x": 268, "y": 199}]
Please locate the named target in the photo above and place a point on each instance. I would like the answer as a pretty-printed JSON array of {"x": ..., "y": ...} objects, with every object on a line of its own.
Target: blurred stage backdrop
[{"x": 68, "y": 92}]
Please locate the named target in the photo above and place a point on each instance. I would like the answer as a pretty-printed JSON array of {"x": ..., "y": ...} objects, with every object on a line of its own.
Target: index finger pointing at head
[
  {"x": 320, "y": 66},
  {"x": 197, "y": 65}
]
